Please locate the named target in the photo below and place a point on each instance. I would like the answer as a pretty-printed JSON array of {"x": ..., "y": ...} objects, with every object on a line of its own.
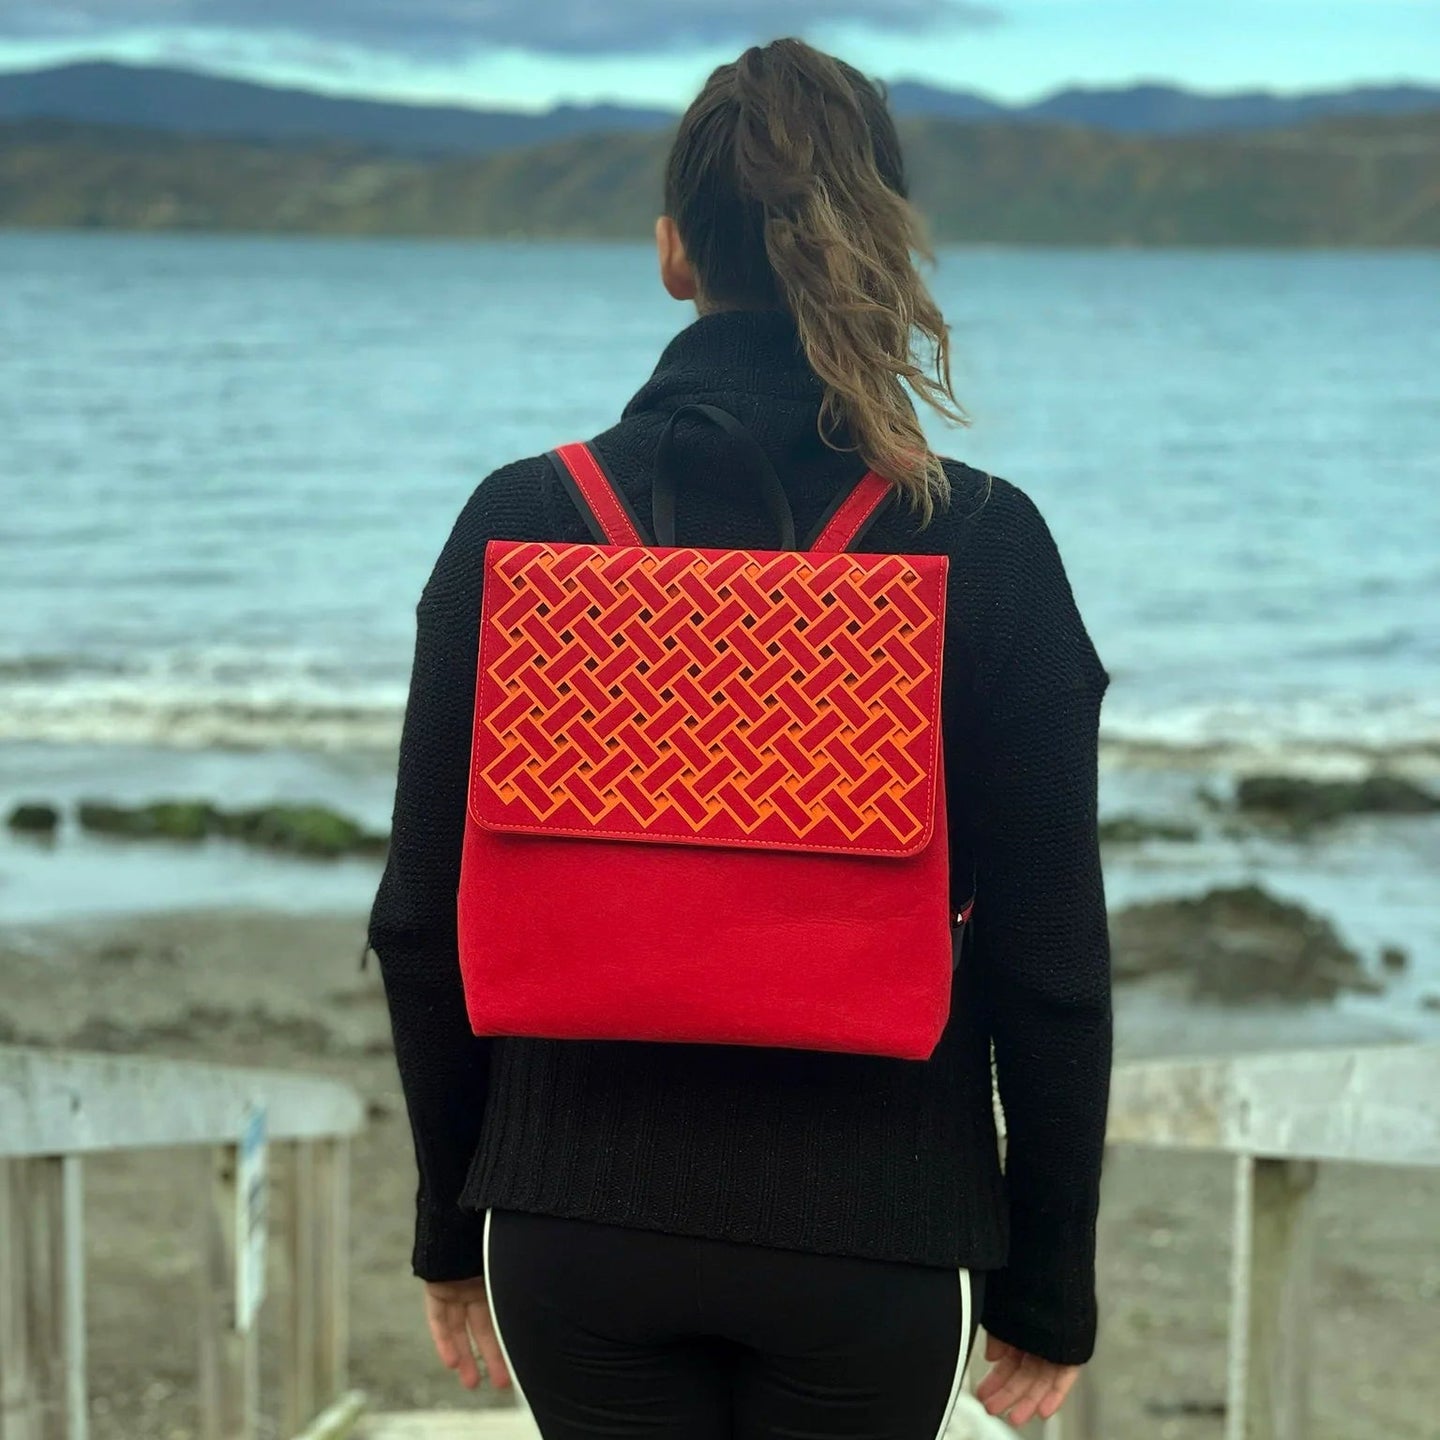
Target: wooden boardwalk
[
  {"x": 970, "y": 1423},
  {"x": 448, "y": 1425}
]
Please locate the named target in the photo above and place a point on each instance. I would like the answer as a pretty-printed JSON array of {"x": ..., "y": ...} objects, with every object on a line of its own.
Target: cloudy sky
[{"x": 534, "y": 52}]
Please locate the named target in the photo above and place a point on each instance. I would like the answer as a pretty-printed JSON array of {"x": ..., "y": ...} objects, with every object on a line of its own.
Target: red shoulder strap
[
  {"x": 597, "y": 496},
  {"x": 853, "y": 515},
  {"x": 613, "y": 522}
]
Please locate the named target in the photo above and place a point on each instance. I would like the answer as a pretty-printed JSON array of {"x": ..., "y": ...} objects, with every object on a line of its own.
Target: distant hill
[
  {"x": 1358, "y": 182},
  {"x": 910, "y": 99},
  {"x": 1168, "y": 110},
  {"x": 189, "y": 102}
]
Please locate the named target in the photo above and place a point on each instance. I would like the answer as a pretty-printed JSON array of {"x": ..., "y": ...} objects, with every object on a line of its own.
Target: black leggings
[{"x": 628, "y": 1333}]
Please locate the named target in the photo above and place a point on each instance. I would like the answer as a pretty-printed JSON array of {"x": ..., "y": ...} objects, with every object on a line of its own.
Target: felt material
[
  {"x": 705, "y": 944},
  {"x": 781, "y": 711}
]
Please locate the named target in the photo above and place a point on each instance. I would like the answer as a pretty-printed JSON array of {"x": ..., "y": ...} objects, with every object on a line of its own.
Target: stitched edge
[
  {"x": 855, "y": 500},
  {"x": 919, "y": 844},
  {"x": 595, "y": 484},
  {"x": 499, "y": 827}
]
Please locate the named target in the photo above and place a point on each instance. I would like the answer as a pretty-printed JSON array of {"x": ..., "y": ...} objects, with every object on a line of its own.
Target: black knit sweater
[{"x": 827, "y": 1153}]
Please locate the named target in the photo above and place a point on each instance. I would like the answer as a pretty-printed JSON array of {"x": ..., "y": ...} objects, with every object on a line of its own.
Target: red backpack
[{"x": 706, "y": 795}]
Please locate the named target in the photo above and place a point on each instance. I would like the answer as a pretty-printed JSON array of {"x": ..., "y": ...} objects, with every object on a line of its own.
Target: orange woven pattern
[{"x": 722, "y": 697}]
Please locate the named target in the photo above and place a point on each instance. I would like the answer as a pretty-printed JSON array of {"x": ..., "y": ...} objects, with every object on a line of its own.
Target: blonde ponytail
[{"x": 820, "y": 223}]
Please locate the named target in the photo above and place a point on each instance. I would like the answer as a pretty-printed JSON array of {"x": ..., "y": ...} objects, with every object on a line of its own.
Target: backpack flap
[{"x": 777, "y": 700}]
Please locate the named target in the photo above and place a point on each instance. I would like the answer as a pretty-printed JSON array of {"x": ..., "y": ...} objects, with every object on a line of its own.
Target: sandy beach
[{"x": 266, "y": 989}]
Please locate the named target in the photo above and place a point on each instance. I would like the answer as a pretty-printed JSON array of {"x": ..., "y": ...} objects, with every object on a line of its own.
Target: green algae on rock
[
  {"x": 1237, "y": 945},
  {"x": 302, "y": 830},
  {"x": 164, "y": 820},
  {"x": 309, "y": 830},
  {"x": 31, "y": 818},
  {"x": 1304, "y": 803},
  {"x": 1137, "y": 829}
]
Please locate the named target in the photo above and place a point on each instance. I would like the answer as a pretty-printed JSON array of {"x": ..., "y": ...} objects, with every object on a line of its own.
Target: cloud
[{"x": 437, "y": 28}]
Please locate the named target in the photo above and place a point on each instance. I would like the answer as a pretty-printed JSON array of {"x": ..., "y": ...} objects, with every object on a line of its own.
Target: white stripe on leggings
[
  {"x": 963, "y": 1357},
  {"x": 495, "y": 1317}
]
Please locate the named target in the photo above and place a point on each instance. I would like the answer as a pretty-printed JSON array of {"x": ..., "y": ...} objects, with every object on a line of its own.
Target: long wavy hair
[{"x": 787, "y": 185}]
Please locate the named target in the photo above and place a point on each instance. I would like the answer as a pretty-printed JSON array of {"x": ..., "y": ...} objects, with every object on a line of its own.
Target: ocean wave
[
  {"x": 1320, "y": 735},
  {"x": 205, "y": 725},
  {"x": 251, "y": 698},
  {"x": 22, "y": 668},
  {"x": 1339, "y": 735},
  {"x": 225, "y": 698}
]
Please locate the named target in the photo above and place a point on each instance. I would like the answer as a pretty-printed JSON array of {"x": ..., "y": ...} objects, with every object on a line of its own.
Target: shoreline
[
  {"x": 365, "y": 736},
  {"x": 90, "y": 963},
  {"x": 549, "y": 239},
  {"x": 1371, "y": 876}
]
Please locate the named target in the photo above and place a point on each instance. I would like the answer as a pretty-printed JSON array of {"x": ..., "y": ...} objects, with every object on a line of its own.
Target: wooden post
[
  {"x": 42, "y": 1317},
  {"x": 318, "y": 1253},
  {"x": 229, "y": 1360},
  {"x": 1237, "y": 1367},
  {"x": 332, "y": 1180},
  {"x": 45, "y": 1318},
  {"x": 72, "y": 1203},
  {"x": 16, "y": 1398},
  {"x": 300, "y": 1400},
  {"x": 1273, "y": 1267}
]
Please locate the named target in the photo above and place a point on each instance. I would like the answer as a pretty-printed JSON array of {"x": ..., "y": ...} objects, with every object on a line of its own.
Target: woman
[{"x": 698, "y": 1241}]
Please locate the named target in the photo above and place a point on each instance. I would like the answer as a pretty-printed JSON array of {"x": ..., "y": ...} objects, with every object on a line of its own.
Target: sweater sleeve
[
  {"x": 443, "y": 1066},
  {"x": 1042, "y": 948}
]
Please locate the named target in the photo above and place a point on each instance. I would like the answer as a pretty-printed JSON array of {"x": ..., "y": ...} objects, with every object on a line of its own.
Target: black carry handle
[{"x": 663, "y": 496}]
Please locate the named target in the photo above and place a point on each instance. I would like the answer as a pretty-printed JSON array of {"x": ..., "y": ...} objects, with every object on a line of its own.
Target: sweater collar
[{"x": 731, "y": 352}]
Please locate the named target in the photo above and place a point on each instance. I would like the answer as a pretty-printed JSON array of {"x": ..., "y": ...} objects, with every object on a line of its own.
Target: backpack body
[{"x": 707, "y": 800}]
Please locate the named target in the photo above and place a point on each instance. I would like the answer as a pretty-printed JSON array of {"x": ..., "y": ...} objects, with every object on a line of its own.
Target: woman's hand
[
  {"x": 1022, "y": 1384},
  {"x": 458, "y": 1311}
]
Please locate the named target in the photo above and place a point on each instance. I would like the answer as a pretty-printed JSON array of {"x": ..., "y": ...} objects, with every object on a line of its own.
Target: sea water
[{"x": 227, "y": 465}]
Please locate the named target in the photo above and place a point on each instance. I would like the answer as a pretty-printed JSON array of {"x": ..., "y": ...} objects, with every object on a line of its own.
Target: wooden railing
[
  {"x": 1280, "y": 1115},
  {"x": 55, "y": 1109}
]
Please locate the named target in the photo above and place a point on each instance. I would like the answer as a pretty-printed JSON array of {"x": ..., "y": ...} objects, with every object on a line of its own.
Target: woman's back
[{"x": 874, "y": 1159}]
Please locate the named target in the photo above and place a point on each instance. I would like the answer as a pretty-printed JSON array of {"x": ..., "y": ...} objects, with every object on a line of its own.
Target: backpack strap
[
  {"x": 612, "y": 521},
  {"x": 761, "y": 470},
  {"x": 852, "y": 513},
  {"x": 597, "y": 497}
]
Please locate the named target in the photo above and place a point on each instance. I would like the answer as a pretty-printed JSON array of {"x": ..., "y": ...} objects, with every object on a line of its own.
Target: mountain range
[
  {"x": 189, "y": 102},
  {"x": 1359, "y": 181}
]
